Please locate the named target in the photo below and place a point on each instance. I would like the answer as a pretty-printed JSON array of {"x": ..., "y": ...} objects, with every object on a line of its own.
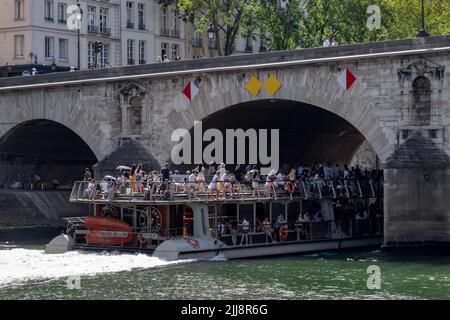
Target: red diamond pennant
[
  {"x": 190, "y": 91},
  {"x": 346, "y": 79}
]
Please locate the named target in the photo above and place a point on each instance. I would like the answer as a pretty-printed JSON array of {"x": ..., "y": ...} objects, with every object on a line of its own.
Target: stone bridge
[{"x": 399, "y": 104}]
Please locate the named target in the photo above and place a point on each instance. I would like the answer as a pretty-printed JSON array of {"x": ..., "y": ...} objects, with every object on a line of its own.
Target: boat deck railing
[
  {"x": 182, "y": 192},
  {"x": 307, "y": 230}
]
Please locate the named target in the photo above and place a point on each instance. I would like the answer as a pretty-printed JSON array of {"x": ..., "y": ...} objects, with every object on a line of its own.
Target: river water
[{"x": 27, "y": 273}]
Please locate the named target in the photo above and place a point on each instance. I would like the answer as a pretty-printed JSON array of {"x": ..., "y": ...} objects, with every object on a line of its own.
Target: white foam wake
[{"x": 18, "y": 266}]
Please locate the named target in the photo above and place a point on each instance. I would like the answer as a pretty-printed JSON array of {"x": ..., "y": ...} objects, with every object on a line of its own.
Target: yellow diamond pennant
[
  {"x": 253, "y": 86},
  {"x": 272, "y": 84}
]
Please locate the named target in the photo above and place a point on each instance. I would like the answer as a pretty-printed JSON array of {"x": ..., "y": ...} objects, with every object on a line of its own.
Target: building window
[
  {"x": 92, "y": 16},
  {"x": 164, "y": 49},
  {"x": 130, "y": 15},
  {"x": 49, "y": 47},
  {"x": 104, "y": 56},
  {"x": 62, "y": 13},
  {"x": 142, "y": 55},
  {"x": 104, "y": 21},
  {"x": 164, "y": 29},
  {"x": 196, "y": 37},
  {"x": 130, "y": 51},
  {"x": 18, "y": 46},
  {"x": 174, "y": 51},
  {"x": 141, "y": 16},
  {"x": 91, "y": 54},
  {"x": 174, "y": 31},
  {"x": 18, "y": 10},
  {"x": 63, "y": 49},
  {"x": 48, "y": 7}
]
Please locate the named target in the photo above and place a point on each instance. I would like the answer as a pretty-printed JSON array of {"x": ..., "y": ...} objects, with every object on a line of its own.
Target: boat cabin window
[
  {"x": 228, "y": 213},
  {"x": 278, "y": 209},
  {"x": 293, "y": 210},
  {"x": 176, "y": 220},
  {"x": 247, "y": 211},
  {"x": 262, "y": 212},
  {"x": 311, "y": 210}
]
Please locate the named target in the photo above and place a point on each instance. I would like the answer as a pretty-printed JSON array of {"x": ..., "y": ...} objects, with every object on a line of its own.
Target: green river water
[{"x": 27, "y": 273}]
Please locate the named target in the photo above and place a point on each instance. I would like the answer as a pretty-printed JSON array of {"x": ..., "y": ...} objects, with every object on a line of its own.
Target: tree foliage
[
  {"x": 227, "y": 17},
  {"x": 289, "y": 24}
]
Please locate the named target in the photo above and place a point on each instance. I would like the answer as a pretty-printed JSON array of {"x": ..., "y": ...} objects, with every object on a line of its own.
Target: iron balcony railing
[
  {"x": 165, "y": 32},
  {"x": 105, "y": 31},
  {"x": 130, "y": 25},
  {"x": 92, "y": 29},
  {"x": 172, "y": 33}
]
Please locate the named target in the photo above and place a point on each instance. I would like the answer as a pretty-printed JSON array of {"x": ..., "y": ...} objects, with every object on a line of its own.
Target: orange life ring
[{"x": 284, "y": 233}]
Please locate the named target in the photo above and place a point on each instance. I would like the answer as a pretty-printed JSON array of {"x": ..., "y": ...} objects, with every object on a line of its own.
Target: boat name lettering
[{"x": 114, "y": 234}]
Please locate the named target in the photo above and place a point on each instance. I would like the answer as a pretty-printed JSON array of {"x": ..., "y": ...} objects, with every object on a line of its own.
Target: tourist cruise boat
[{"x": 176, "y": 221}]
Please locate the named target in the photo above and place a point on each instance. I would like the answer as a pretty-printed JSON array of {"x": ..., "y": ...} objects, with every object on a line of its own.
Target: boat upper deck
[{"x": 166, "y": 193}]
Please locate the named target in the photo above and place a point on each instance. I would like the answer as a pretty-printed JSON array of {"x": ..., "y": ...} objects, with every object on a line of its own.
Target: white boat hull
[{"x": 264, "y": 250}]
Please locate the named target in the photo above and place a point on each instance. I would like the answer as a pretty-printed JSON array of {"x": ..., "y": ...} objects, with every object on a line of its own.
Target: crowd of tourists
[{"x": 220, "y": 181}]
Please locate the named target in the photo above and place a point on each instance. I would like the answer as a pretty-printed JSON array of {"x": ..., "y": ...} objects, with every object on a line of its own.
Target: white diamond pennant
[
  {"x": 194, "y": 90},
  {"x": 342, "y": 79}
]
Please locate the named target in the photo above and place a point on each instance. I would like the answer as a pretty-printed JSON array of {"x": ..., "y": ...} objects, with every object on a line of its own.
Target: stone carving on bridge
[
  {"x": 421, "y": 67},
  {"x": 423, "y": 80},
  {"x": 132, "y": 97}
]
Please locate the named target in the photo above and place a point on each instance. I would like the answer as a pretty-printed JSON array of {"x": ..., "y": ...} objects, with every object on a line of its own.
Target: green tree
[
  {"x": 226, "y": 17},
  {"x": 279, "y": 23},
  {"x": 405, "y": 18},
  {"x": 345, "y": 20}
]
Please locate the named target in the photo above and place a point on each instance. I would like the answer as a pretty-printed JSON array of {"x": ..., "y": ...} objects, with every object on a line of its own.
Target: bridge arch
[
  {"x": 354, "y": 106},
  {"x": 46, "y": 147}
]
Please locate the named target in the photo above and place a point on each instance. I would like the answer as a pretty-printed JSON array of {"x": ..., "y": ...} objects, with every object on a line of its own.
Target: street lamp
[
  {"x": 79, "y": 17},
  {"x": 422, "y": 32},
  {"x": 211, "y": 31}
]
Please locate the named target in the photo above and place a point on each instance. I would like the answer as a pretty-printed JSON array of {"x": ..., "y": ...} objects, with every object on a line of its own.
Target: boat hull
[{"x": 278, "y": 249}]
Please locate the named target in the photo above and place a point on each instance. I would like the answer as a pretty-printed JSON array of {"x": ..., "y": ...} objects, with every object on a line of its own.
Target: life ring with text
[{"x": 284, "y": 233}]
